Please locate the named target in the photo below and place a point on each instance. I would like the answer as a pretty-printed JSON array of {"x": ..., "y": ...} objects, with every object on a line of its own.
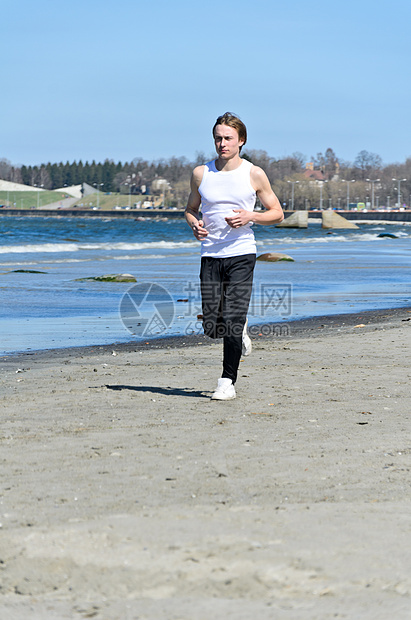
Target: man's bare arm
[
  {"x": 273, "y": 214},
  {"x": 193, "y": 205}
]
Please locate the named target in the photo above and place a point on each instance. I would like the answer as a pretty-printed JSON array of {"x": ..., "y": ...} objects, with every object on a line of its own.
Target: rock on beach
[
  {"x": 273, "y": 257},
  {"x": 111, "y": 277}
]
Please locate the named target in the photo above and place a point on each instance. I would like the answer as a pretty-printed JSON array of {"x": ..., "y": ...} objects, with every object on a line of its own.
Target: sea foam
[{"x": 76, "y": 247}]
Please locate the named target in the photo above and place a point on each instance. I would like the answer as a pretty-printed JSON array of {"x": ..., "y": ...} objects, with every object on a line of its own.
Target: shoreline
[{"x": 311, "y": 327}]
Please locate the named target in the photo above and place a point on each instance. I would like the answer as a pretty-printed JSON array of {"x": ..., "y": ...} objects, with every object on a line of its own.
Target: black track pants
[{"x": 226, "y": 285}]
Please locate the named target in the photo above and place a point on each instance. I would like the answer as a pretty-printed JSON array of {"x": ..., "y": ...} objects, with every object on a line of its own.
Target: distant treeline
[
  {"x": 110, "y": 176},
  {"x": 139, "y": 174}
]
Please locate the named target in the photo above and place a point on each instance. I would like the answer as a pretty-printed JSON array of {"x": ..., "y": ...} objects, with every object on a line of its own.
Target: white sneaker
[
  {"x": 225, "y": 390},
  {"x": 247, "y": 346}
]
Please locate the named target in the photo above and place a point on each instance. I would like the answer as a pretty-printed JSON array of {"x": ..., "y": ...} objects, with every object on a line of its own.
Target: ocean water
[{"x": 339, "y": 272}]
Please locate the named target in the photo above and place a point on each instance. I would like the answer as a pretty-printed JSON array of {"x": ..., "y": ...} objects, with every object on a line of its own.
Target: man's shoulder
[
  {"x": 256, "y": 169},
  {"x": 258, "y": 178},
  {"x": 198, "y": 173},
  {"x": 257, "y": 172}
]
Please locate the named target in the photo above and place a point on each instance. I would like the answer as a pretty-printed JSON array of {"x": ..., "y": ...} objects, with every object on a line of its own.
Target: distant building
[
  {"x": 160, "y": 185},
  {"x": 314, "y": 175}
]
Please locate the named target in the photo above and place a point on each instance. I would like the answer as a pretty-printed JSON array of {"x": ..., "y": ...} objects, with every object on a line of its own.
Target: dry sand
[{"x": 127, "y": 494}]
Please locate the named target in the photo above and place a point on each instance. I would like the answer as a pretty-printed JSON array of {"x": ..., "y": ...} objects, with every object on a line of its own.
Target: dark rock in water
[
  {"x": 274, "y": 257},
  {"x": 111, "y": 277},
  {"x": 26, "y": 271},
  {"x": 389, "y": 235}
]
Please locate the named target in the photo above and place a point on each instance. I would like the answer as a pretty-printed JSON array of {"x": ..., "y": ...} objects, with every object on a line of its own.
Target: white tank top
[{"x": 221, "y": 192}]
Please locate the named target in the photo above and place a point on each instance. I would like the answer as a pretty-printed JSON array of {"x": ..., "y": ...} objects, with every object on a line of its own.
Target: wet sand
[{"x": 126, "y": 493}]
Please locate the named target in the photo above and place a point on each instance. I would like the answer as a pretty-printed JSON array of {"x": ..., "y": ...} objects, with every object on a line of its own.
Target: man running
[{"x": 226, "y": 189}]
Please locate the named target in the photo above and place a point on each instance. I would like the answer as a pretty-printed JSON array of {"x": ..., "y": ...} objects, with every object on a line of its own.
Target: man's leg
[
  {"x": 212, "y": 296},
  {"x": 238, "y": 282}
]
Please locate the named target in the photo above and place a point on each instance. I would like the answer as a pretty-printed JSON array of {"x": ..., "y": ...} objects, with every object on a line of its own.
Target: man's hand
[
  {"x": 241, "y": 218},
  {"x": 198, "y": 229}
]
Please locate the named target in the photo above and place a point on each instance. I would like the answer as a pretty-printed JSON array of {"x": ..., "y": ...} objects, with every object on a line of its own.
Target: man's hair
[{"x": 232, "y": 121}]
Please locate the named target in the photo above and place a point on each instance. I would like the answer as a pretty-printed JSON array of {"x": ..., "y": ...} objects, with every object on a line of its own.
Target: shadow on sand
[{"x": 166, "y": 391}]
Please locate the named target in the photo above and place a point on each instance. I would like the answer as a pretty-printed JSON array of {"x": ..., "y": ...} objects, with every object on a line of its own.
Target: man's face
[{"x": 227, "y": 142}]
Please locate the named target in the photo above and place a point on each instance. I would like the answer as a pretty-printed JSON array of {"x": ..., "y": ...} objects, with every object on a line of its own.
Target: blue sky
[{"x": 90, "y": 79}]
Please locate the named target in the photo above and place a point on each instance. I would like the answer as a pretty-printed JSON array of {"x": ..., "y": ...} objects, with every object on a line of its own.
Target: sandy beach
[{"x": 126, "y": 493}]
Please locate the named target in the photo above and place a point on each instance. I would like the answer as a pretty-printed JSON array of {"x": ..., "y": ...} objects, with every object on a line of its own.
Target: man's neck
[{"x": 226, "y": 165}]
